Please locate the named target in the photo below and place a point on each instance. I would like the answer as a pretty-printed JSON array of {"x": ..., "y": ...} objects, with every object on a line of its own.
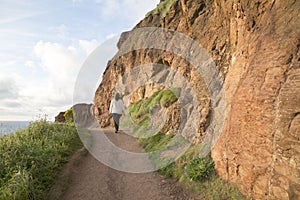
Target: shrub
[
  {"x": 20, "y": 187},
  {"x": 30, "y": 158},
  {"x": 199, "y": 169},
  {"x": 69, "y": 115}
]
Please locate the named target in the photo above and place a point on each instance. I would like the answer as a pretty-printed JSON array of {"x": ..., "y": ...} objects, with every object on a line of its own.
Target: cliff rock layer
[{"x": 255, "y": 45}]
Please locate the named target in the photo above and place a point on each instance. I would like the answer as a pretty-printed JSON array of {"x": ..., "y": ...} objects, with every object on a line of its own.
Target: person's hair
[{"x": 117, "y": 96}]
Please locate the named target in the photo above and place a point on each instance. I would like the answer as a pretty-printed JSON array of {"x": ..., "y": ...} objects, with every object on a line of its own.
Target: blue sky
[{"x": 44, "y": 44}]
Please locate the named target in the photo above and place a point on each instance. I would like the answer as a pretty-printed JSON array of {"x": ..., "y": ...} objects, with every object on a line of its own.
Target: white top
[{"x": 117, "y": 107}]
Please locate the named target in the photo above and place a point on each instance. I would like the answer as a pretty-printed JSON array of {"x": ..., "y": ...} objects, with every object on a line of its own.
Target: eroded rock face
[
  {"x": 145, "y": 92},
  {"x": 60, "y": 117},
  {"x": 255, "y": 45}
]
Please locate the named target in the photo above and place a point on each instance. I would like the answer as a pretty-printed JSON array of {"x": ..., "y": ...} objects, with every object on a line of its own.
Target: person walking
[{"x": 117, "y": 108}]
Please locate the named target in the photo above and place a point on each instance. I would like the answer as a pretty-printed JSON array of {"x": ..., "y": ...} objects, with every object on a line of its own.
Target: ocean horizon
[{"x": 9, "y": 127}]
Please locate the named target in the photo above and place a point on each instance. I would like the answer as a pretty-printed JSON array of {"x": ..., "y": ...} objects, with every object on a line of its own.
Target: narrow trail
[{"x": 92, "y": 180}]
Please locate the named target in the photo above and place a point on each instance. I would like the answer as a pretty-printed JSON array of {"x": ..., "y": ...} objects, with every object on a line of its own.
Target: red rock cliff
[{"x": 255, "y": 45}]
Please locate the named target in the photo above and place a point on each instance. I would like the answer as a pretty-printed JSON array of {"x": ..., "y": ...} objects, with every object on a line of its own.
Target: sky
[{"x": 45, "y": 43}]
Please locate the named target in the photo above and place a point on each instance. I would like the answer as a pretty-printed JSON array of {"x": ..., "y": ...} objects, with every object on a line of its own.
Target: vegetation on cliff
[
  {"x": 141, "y": 109},
  {"x": 162, "y": 8},
  {"x": 30, "y": 158},
  {"x": 69, "y": 115},
  {"x": 66, "y": 116},
  {"x": 194, "y": 172}
]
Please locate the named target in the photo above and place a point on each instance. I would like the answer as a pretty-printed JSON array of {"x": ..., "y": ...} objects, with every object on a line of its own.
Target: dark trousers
[{"x": 116, "y": 118}]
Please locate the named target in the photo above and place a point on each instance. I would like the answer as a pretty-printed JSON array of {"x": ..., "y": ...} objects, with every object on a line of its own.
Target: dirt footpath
[{"x": 92, "y": 180}]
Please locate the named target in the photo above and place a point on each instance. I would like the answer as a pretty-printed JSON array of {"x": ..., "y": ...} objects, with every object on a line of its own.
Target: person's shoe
[{"x": 116, "y": 131}]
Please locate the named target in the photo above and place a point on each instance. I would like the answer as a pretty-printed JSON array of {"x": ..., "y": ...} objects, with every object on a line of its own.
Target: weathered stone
[{"x": 60, "y": 117}]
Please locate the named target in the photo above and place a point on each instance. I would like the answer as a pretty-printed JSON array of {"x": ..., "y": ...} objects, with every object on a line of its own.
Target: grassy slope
[
  {"x": 195, "y": 173},
  {"x": 30, "y": 158},
  {"x": 162, "y": 8}
]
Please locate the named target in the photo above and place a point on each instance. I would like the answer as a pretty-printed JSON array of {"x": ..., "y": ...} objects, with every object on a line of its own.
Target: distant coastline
[{"x": 8, "y": 127}]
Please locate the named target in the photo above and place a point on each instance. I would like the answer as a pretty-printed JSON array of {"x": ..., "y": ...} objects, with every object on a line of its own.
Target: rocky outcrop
[
  {"x": 60, "y": 117},
  {"x": 255, "y": 45},
  {"x": 84, "y": 115}
]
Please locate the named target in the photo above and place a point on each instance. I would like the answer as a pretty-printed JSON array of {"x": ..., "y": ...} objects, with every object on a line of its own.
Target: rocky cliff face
[{"x": 255, "y": 45}]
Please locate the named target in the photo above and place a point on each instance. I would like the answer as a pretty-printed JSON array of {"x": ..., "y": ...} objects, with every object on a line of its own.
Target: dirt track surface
[{"x": 92, "y": 180}]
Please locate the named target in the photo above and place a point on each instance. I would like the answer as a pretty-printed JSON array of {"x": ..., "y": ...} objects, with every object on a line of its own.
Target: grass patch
[
  {"x": 138, "y": 118},
  {"x": 164, "y": 98},
  {"x": 199, "y": 169},
  {"x": 162, "y": 8},
  {"x": 30, "y": 158},
  {"x": 155, "y": 142},
  {"x": 199, "y": 175}
]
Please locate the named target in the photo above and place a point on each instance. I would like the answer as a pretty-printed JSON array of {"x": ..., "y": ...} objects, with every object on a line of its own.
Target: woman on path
[{"x": 117, "y": 108}]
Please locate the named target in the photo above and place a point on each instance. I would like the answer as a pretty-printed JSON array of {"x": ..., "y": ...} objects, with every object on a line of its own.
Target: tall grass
[{"x": 30, "y": 158}]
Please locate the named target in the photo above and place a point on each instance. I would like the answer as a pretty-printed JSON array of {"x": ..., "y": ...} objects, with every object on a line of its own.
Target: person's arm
[
  {"x": 123, "y": 108},
  {"x": 110, "y": 106}
]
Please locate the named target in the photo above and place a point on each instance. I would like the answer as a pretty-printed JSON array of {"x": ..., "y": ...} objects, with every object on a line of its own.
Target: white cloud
[
  {"x": 7, "y": 64},
  {"x": 49, "y": 84},
  {"x": 88, "y": 46},
  {"x": 42, "y": 81},
  {"x": 8, "y": 88},
  {"x": 62, "y": 63},
  {"x": 32, "y": 66},
  {"x": 56, "y": 56}
]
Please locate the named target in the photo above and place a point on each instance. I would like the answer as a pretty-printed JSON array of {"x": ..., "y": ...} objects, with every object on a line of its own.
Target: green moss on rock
[{"x": 162, "y": 8}]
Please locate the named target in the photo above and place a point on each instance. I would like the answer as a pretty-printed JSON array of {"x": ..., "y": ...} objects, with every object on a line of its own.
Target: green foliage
[
  {"x": 199, "y": 175},
  {"x": 168, "y": 97},
  {"x": 138, "y": 113},
  {"x": 155, "y": 142},
  {"x": 163, "y": 98},
  {"x": 69, "y": 115},
  {"x": 20, "y": 187},
  {"x": 199, "y": 169},
  {"x": 30, "y": 158},
  {"x": 162, "y": 8},
  {"x": 177, "y": 169}
]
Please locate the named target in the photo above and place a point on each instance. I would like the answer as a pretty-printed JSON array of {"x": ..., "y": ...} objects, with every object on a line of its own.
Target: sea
[{"x": 8, "y": 127}]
